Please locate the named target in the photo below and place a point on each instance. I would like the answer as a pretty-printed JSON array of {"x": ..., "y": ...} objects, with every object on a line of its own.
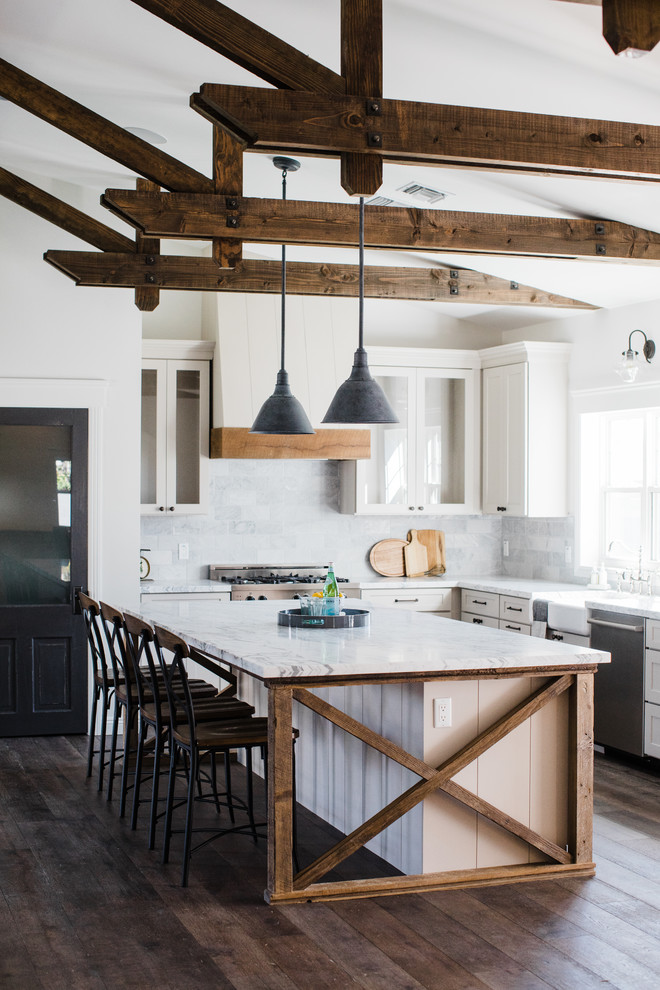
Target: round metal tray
[{"x": 349, "y": 618}]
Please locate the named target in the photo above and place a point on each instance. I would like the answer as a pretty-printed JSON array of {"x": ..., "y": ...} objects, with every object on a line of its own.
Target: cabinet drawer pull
[
  {"x": 501, "y": 508},
  {"x": 475, "y": 602},
  {"x": 512, "y": 608},
  {"x": 406, "y": 599},
  {"x": 478, "y": 622},
  {"x": 515, "y": 628}
]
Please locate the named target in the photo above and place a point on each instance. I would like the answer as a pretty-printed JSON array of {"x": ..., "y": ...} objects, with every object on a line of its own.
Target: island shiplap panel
[{"x": 504, "y": 773}]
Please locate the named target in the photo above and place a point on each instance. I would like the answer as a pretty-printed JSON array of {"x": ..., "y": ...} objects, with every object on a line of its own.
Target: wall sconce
[{"x": 629, "y": 365}]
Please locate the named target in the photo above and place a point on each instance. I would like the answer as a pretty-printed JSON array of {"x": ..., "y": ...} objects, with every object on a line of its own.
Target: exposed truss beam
[
  {"x": 95, "y": 131},
  {"x": 362, "y": 68},
  {"x": 302, "y": 278},
  {"x": 336, "y": 224},
  {"x": 631, "y": 25},
  {"x": 248, "y": 45},
  {"x": 430, "y": 134},
  {"x": 61, "y": 214}
]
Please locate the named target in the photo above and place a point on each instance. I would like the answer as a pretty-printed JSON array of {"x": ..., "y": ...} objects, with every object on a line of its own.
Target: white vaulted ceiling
[{"x": 544, "y": 56}]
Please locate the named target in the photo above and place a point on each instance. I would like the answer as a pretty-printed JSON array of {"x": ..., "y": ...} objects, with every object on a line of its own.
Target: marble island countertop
[{"x": 247, "y": 635}]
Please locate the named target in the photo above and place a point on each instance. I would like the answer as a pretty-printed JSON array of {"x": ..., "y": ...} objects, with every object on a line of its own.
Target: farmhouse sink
[{"x": 568, "y": 617}]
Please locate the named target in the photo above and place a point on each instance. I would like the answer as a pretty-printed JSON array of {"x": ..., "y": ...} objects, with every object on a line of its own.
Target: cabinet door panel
[
  {"x": 154, "y": 440},
  {"x": 505, "y": 439},
  {"x": 385, "y": 481},
  {"x": 441, "y": 439}
]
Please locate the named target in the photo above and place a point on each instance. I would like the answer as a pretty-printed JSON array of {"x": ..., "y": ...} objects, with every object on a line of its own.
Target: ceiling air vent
[
  {"x": 382, "y": 201},
  {"x": 424, "y": 194}
]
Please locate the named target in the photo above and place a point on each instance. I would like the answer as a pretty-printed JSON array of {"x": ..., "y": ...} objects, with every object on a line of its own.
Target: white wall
[{"x": 51, "y": 329}]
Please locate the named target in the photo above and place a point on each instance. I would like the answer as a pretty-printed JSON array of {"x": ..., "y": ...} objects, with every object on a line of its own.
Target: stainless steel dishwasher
[{"x": 619, "y": 685}]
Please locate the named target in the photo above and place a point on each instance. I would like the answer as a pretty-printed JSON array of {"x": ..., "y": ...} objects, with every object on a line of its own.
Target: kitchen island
[{"x": 503, "y": 794}]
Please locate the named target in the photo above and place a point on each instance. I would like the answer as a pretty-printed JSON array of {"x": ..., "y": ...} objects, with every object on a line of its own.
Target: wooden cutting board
[
  {"x": 415, "y": 556},
  {"x": 386, "y": 558},
  {"x": 434, "y": 541}
]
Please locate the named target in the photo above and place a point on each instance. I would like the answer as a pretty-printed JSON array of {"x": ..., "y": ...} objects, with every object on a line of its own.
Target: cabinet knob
[
  {"x": 421, "y": 508},
  {"x": 411, "y": 508},
  {"x": 161, "y": 508},
  {"x": 501, "y": 508},
  {"x": 171, "y": 508}
]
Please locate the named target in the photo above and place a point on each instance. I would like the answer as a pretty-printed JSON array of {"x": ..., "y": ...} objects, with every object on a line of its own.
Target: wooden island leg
[
  {"x": 280, "y": 792},
  {"x": 581, "y": 768}
]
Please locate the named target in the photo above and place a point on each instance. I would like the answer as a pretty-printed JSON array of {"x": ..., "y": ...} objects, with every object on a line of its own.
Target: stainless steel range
[{"x": 260, "y": 582}]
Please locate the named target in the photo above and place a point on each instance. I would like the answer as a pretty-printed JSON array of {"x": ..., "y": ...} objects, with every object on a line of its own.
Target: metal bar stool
[{"x": 103, "y": 684}]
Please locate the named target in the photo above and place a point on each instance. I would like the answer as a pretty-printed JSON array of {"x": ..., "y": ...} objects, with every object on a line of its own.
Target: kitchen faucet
[{"x": 639, "y": 576}]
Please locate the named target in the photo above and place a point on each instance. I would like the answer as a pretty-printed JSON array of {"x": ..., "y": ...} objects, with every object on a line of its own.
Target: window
[{"x": 619, "y": 505}]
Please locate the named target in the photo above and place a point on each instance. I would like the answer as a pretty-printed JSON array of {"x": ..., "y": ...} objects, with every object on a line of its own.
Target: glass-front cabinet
[
  {"x": 175, "y": 435},
  {"x": 425, "y": 463}
]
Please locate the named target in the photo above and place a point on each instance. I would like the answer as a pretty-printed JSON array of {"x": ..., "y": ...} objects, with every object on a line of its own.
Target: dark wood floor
[{"x": 85, "y": 906}]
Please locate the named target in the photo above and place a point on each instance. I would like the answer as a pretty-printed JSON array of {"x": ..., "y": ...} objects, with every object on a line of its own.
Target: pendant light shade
[
  {"x": 282, "y": 413},
  {"x": 360, "y": 399}
]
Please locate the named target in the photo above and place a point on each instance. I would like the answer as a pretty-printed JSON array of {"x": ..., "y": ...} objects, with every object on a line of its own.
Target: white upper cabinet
[
  {"x": 175, "y": 427},
  {"x": 524, "y": 434},
  {"x": 427, "y": 462}
]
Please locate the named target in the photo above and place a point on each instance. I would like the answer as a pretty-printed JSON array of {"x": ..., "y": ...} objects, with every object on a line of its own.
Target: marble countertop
[{"x": 246, "y": 634}]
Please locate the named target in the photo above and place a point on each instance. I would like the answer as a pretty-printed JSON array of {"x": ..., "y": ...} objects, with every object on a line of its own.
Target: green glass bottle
[{"x": 330, "y": 589}]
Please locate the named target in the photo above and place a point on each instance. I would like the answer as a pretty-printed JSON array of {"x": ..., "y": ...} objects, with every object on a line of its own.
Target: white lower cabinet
[
  {"x": 497, "y": 611},
  {"x": 419, "y": 600},
  {"x": 652, "y": 690}
]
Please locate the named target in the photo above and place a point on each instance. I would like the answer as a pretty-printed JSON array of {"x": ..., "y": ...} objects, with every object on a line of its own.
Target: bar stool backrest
[
  {"x": 176, "y": 679},
  {"x": 91, "y": 614},
  {"x": 142, "y": 652},
  {"x": 113, "y": 626}
]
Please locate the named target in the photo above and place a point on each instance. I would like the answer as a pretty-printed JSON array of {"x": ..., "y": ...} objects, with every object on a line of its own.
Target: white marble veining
[
  {"x": 645, "y": 606},
  {"x": 246, "y": 635}
]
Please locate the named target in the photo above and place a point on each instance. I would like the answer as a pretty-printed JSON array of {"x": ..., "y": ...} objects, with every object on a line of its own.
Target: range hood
[{"x": 321, "y": 339}]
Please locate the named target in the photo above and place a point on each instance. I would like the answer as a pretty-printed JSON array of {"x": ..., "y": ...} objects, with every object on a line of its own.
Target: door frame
[{"x": 72, "y": 393}]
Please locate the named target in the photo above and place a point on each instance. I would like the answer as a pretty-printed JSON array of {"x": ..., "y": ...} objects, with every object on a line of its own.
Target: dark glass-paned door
[{"x": 43, "y": 558}]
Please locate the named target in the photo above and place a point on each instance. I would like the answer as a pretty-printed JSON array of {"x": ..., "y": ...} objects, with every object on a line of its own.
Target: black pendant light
[
  {"x": 360, "y": 399},
  {"x": 281, "y": 412}
]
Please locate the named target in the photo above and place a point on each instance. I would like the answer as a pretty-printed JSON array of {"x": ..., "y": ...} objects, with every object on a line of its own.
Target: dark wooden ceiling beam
[
  {"x": 303, "y": 278},
  {"x": 228, "y": 179},
  {"x": 631, "y": 25},
  {"x": 147, "y": 293},
  {"x": 248, "y": 45},
  {"x": 430, "y": 134},
  {"x": 61, "y": 214},
  {"x": 362, "y": 68},
  {"x": 95, "y": 131},
  {"x": 336, "y": 224}
]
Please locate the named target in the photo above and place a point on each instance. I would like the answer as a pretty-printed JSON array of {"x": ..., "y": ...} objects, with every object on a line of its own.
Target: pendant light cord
[
  {"x": 283, "y": 312},
  {"x": 361, "y": 278}
]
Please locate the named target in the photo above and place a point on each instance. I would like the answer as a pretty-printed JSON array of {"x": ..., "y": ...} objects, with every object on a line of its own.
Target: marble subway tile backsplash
[
  {"x": 286, "y": 512},
  {"x": 537, "y": 548}
]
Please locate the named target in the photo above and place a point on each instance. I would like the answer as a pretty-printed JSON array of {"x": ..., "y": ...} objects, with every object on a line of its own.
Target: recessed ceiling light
[{"x": 147, "y": 135}]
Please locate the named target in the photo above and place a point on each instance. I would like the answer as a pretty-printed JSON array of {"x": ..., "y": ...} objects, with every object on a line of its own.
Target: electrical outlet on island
[{"x": 441, "y": 713}]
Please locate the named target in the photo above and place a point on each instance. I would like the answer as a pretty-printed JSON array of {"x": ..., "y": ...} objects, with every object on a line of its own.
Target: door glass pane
[
  {"x": 149, "y": 459},
  {"x": 626, "y": 452},
  {"x": 188, "y": 385},
  {"x": 36, "y": 485},
  {"x": 386, "y": 472},
  {"x": 444, "y": 441},
  {"x": 623, "y": 518}
]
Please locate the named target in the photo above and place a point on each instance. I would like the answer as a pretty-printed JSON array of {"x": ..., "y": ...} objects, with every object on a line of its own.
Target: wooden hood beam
[
  {"x": 302, "y": 278},
  {"x": 95, "y": 131},
  {"x": 276, "y": 221},
  {"x": 430, "y": 134}
]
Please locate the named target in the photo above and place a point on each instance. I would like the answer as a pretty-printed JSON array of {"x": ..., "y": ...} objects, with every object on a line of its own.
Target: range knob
[
  {"x": 262, "y": 598},
  {"x": 249, "y": 598}
]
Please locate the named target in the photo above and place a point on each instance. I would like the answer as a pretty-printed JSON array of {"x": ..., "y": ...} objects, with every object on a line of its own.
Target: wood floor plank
[
  {"x": 75, "y": 883},
  {"x": 527, "y": 949}
]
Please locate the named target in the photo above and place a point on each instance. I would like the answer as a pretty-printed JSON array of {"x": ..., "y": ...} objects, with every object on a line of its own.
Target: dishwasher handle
[{"x": 615, "y": 625}]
